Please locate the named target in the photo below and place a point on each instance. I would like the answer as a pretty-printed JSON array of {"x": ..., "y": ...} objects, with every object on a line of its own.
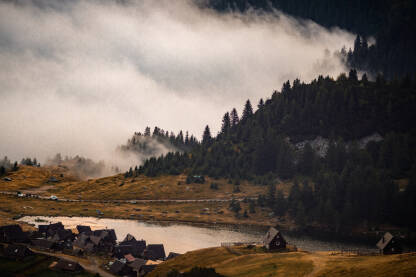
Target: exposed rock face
[{"x": 320, "y": 144}]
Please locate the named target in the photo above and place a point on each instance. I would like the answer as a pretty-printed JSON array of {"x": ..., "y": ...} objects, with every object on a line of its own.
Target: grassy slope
[
  {"x": 34, "y": 178},
  {"x": 37, "y": 265},
  {"x": 119, "y": 188},
  {"x": 243, "y": 262}
]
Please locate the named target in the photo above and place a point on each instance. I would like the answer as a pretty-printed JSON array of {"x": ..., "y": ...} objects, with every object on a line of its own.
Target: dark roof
[
  {"x": 81, "y": 240},
  {"x": 172, "y": 255},
  {"x": 43, "y": 243},
  {"x": 107, "y": 234},
  {"x": 128, "y": 239},
  {"x": 270, "y": 235},
  {"x": 384, "y": 241},
  {"x": 154, "y": 252},
  {"x": 89, "y": 247},
  {"x": 17, "y": 251},
  {"x": 120, "y": 250},
  {"x": 43, "y": 228},
  {"x": 13, "y": 233},
  {"x": 96, "y": 240},
  {"x": 122, "y": 269},
  {"x": 84, "y": 229},
  {"x": 137, "y": 264},
  {"x": 67, "y": 266},
  {"x": 147, "y": 269},
  {"x": 56, "y": 226}
]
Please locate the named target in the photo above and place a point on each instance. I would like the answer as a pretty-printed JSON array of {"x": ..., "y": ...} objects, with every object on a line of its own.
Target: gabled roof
[
  {"x": 95, "y": 239},
  {"x": 83, "y": 229},
  {"x": 172, "y": 255},
  {"x": 12, "y": 233},
  {"x": 137, "y": 264},
  {"x": 128, "y": 239},
  {"x": 384, "y": 241},
  {"x": 56, "y": 226},
  {"x": 107, "y": 234},
  {"x": 155, "y": 252},
  {"x": 64, "y": 234},
  {"x": 81, "y": 240},
  {"x": 270, "y": 235}
]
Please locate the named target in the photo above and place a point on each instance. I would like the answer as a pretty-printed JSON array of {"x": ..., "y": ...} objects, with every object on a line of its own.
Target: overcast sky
[{"x": 79, "y": 77}]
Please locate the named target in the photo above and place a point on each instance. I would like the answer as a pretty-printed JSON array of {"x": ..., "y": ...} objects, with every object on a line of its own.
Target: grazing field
[
  {"x": 37, "y": 180},
  {"x": 240, "y": 261},
  {"x": 194, "y": 212}
]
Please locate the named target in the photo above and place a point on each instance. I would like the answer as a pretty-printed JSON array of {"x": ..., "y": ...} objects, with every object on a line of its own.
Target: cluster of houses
[{"x": 130, "y": 257}]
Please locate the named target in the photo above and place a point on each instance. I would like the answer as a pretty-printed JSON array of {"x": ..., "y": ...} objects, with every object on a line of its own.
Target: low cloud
[{"x": 79, "y": 77}]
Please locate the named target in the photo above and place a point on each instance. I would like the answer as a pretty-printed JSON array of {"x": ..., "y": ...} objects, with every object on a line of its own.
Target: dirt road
[{"x": 90, "y": 265}]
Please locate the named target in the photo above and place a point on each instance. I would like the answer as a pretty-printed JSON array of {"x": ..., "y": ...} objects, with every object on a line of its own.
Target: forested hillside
[
  {"x": 356, "y": 183},
  {"x": 390, "y": 22}
]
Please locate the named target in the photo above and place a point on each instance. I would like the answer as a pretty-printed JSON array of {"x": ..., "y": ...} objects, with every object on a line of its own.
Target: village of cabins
[{"x": 129, "y": 257}]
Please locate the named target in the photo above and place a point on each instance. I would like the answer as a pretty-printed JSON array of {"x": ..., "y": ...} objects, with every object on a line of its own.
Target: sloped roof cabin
[
  {"x": 389, "y": 244},
  {"x": 13, "y": 233},
  {"x": 274, "y": 240}
]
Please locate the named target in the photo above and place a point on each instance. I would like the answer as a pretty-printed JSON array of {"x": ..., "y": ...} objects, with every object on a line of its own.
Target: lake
[{"x": 181, "y": 238}]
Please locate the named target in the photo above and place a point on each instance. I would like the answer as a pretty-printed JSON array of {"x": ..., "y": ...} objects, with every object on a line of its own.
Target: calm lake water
[{"x": 181, "y": 238}]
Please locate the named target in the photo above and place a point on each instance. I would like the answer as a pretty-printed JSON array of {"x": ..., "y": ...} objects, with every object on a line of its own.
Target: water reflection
[{"x": 182, "y": 238}]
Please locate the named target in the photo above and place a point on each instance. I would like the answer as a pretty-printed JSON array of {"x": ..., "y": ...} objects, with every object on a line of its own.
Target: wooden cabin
[
  {"x": 389, "y": 244},
  {"x": 273, "y": 240}
]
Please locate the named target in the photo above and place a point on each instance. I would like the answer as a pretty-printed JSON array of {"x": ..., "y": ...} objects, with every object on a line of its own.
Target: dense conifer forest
[
  {"x": 390, "y": 22},
  {"x": 351, "y": 183}
]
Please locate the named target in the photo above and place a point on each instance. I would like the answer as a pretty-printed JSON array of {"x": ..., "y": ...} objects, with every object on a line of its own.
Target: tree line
[{"x": 350, "y": 182}]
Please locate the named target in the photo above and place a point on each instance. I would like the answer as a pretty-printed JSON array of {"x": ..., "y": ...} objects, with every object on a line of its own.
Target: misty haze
[
  {"x": 192, "y": 138},
  {"x": 80, "y": 77}
]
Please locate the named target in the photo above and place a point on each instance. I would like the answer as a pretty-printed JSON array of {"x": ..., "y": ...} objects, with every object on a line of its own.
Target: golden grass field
[
  {"x": 35, "y": 180},
  {"x": 240, "y": 261},
  {"x": 119, "y": 188}
]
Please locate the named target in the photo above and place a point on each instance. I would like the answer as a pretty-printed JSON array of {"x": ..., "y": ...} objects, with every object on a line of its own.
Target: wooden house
[
  {"x": 13, "y": 233},
  {"x": 273, "y": 240},
  {"x": 389, "y": 244}
]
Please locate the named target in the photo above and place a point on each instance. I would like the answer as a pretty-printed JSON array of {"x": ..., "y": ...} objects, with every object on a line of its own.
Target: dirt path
[
  {"x": 90, "y": 265},
  {"x": 319, "y": 261},
  {"x": 134, "y": 201}
]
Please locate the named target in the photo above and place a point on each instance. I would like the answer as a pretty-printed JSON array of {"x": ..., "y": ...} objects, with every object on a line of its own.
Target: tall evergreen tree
[
  {"x": 206, "y": 137},
  {"x": 247, "y": 112},
  {"x": 234, "y": 118}
]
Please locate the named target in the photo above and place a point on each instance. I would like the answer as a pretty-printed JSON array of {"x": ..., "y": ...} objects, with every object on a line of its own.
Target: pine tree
[
  {"x": 234, "y": 118},
  {"x": 206, "y": 137},
  {"x": 226, "y": 124},
  {"x": 261, "y": 103},
  {"x": 247, "y": 112}
]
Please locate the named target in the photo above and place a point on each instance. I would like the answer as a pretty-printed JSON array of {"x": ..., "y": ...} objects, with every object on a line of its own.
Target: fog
[{"x": 79, "y": 77}]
